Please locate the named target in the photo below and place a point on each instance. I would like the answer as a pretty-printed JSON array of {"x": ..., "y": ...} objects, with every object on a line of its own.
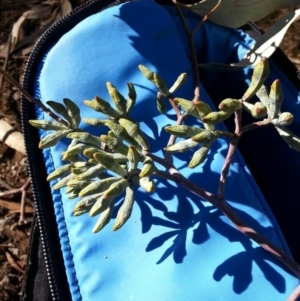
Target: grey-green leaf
[
  {"x": 290, "y": 138},
  {"x": 100, "y": 205},
  {"x": 60, "y": 109},
  {"x": 48, "y": 125},
  {"x": 199, "y": 156},
  {"x": 63, "y": 182},
  {"x": 231, "y": 13},
  {"x": 125, "y": 210},
  {"x": 52, "y": 139},
  {"x": 104, "y": 218},
  {"x": 178, "y": 83},
  {"x": 76, "y": 149},
  {"x": 60, "y": 172},
  {"x": 183, "y": 131},
  {"x": 73, "y": 111},
  {"x": 110, "y": 163},
  {"x": 260, "y": 74},
  {"x": 91, "y": 173},
  {"x": 160, "y": 104},
  {"x": 182, "y": 146},
  {"x": 85, "y": 204},
  {"x": 98, "y": 186},
  {"x": 100, "y": 105},
  {"x": 118, "y": 99},
  {"x": 133, "y": 158},
  {"x": 275, "y": 99},
  {"x": 85, "y": 138},
  {"x": 95, "y": 121},
  {"x": 131, "y": 98}
]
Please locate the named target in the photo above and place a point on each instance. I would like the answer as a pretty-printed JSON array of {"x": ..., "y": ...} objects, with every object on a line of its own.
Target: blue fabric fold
[{"x": 174, "y": 247}]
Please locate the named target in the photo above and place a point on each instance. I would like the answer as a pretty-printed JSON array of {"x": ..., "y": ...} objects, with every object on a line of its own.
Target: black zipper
[
  {"x": 37, "y": 172},
  {"x": 41, "y": 191}
]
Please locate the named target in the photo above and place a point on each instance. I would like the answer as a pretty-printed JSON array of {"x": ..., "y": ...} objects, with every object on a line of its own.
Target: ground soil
[{"x": 14, "y": 236}]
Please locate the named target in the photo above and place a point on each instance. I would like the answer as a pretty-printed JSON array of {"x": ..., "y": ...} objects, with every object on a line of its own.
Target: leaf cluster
[{"x": 99, "y": 170}]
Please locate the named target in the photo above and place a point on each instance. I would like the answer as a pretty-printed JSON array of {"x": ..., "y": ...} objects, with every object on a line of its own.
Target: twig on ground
[
  {"x": 9, "y": 245},
  {"x": 5, "y": 62},
  {"x": 23, "y": 190},
  {"x": 9, "y": 187},
  {"x": 13, "y": 263}
]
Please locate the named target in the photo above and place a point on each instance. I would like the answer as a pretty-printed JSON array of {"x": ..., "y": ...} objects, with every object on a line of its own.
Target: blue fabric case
[{"x": 174, "y": 247}]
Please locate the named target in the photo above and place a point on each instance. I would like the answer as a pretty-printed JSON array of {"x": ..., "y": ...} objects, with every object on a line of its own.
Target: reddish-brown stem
[
  {"x": 205, "y": 18},
  {"x": 189, "y": 36},
  {"x": 295, "y": 295},
  {"x": 232, "y": 146},
  {"x": 228, "y": 211},
  {"x": 175, "y": 176},
  {"x": 32, "y": 99},
  {"x": 238, "y": 121},
  {"x": 225, "y": 169},
  {"x": 261, "y": 240},
  {"x": 255, "y": 125},
  {"x": 229, "y": 135},
  {"x": 180, "y": 118},
  {"x": 171, "y": 100}
]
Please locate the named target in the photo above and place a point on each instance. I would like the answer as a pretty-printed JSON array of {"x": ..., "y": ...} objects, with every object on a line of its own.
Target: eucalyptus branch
[
  {"x": 31, "y": 99},
  {"x": 125, "y": 151}
]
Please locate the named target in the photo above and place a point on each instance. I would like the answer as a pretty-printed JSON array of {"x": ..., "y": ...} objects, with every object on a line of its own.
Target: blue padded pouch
[{"x": 175, "y": 246}]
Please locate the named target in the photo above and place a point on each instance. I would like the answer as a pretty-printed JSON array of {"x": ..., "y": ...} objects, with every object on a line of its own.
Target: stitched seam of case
[{"x": 65, "y": 234}]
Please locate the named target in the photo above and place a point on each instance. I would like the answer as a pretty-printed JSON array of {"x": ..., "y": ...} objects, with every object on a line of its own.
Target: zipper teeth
[
  {"x": 27, "y": 138},
  {"x": 255, "y": 26}
]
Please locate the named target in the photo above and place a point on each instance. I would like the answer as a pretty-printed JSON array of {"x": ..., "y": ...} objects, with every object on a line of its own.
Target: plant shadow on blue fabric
[
  {"x": 192, "y": 215},
  {"x": 178, "y": 223},
  {"x": 185, "y": 218}
]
